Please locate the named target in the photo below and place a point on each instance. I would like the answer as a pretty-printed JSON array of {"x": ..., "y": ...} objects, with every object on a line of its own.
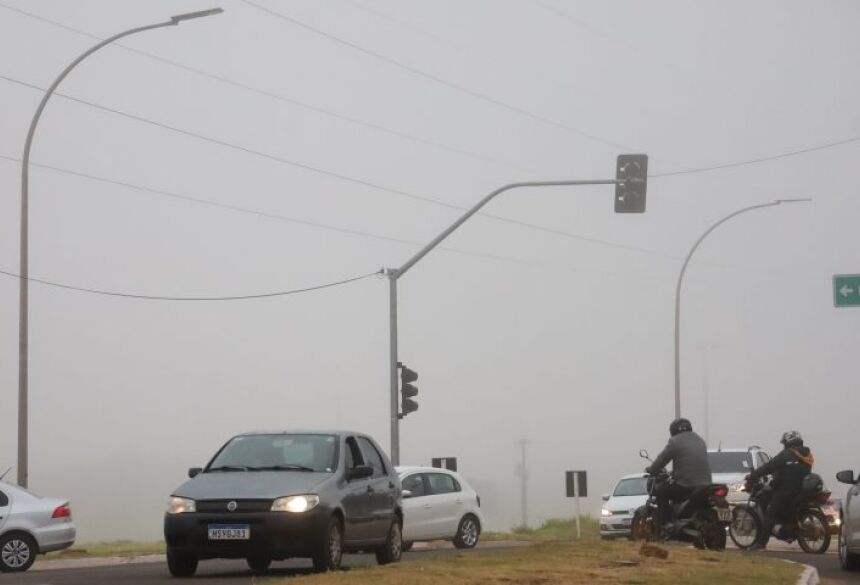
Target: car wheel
[
  {"x": 406, "y": 546},
  {"x": 181, "y": 564},
  {"x": 17, "y": 552},
  {"x": 392, "y": 549},
  {"x": 329, "y": 552},
  {"x": 259, "y": 563},
  {"x": 468, "y": 532},
  {"x": 847, "y": 560}
]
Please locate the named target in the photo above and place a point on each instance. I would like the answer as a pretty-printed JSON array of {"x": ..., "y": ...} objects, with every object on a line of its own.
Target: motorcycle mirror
[{"x": 643, "y": 453}]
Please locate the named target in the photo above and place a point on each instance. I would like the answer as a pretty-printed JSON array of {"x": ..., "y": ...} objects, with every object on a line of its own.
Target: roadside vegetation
[{"x": 112, "y": 548}]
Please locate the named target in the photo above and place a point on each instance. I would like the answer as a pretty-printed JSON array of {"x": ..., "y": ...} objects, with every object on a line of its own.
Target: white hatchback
[
  {"x": 629, "y": 494},
  {"x": 30, "y": 525},
  {"x": 438, "y": 504}
]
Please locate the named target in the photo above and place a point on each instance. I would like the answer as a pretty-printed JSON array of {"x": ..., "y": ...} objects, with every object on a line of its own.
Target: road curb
[{"x": 809, "y": 576}]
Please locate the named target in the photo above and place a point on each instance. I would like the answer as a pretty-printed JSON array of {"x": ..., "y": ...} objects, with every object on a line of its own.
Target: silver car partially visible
[{"x": 31, "y": 525}]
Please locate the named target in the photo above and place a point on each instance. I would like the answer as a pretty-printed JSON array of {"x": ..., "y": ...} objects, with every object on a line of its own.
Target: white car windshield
[
  {"x": 636, "y": 486},
  {"x": 730, "y": 462}
]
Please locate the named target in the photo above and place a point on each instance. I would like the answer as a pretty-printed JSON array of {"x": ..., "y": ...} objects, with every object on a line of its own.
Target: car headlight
[
  {"x": 295, "y": 504},
  {"x": 605, "y": 512},
  {"x": 176, "y": 505}
]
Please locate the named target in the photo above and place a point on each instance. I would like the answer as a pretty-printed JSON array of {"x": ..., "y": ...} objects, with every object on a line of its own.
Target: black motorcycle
[
  {"x": 805, "y": 522},
  {"x": 700, "y": 519}
]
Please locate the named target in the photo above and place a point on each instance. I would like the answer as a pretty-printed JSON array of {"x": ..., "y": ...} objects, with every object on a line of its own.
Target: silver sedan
[{"x": 30, "y": 525}]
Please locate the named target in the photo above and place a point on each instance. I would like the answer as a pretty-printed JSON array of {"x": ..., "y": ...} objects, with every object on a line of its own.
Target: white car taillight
[{"x": 63, "y": 511}]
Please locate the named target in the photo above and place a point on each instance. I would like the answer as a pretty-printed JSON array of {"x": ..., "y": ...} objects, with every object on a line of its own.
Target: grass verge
[{"x": 113, "y": 548}]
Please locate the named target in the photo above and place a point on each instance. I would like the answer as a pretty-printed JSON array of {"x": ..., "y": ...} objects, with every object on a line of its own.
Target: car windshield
[
  {"x": 730, "y": 462},
  {"x": 277, "y": 452},
  {"x": 637, "y": 486}
]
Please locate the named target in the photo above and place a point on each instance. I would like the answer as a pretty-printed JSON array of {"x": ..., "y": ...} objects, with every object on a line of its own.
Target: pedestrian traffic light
[
  {"x": 408, "y": 390},
  {"x": 632, "y": 176}
]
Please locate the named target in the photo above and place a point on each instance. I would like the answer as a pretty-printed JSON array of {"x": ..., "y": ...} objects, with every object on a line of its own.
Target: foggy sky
[{"x": 561, "y": 336}]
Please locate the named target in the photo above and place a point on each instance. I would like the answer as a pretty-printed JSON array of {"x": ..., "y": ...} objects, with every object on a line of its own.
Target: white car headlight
[
  {"x": 605, "y": 512},
  {"x": 295, "y": 504},
  {"x": 176, "y": 505}
]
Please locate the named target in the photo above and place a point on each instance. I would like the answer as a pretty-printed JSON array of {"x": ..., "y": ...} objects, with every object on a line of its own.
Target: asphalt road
[{"x": 827, "y": 565}]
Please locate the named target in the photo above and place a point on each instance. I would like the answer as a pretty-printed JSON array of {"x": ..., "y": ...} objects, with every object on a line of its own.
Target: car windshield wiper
[
  {"x": 228, "y": 468},
  {"x": 287, "y": 467}
]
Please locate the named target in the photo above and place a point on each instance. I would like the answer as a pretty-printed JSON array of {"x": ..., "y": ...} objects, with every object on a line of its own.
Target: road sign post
[
  {"x": 846, "y": 290},
  {"x": 576, "y": 484}
]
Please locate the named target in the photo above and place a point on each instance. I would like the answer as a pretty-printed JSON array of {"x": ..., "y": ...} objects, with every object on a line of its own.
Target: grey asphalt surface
[{"x": 827, "y": 565}]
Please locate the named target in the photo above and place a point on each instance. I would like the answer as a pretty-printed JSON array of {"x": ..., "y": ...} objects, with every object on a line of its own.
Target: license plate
[
  {"x": 724, "y": 514},
  {"x": 229, "y": 532}
]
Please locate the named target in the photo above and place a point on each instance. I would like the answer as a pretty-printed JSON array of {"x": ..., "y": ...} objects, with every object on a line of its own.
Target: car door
[
  {"x": 852, "y": 515},
  {"x": 417, "y": 508},
  {"x": 382, "y": 490},
  {"x": 447, "y": 502},
  {"x": 357, "y": 497},
  {"x": 5, "y": 508}
]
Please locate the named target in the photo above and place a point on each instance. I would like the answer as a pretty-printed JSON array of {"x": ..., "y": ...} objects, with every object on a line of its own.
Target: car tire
[
  {"x": 17, "y": 552},
  {"x": 406, "y": 546},
  {"x": 181, "y": 564},
  {"x": 468, "y": 532},
  {"x": 329, "y": 553},
  {"x": 259, "y": 563},
  {"x": 391, "y": 551},
  {"x": 848, "y": 561}
]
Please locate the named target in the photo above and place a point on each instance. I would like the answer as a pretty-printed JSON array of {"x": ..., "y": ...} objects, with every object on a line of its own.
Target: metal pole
[
  {"x": 392, "y": 366},
  {"x": 578, "y": 509},
  {"x": 681, "y": 279},
  {"x": 706, "y": 397},
  {"x": 23, "y": 315},
  {"x": 395, "y": 273},
  {"x": 524, "y": 490}
]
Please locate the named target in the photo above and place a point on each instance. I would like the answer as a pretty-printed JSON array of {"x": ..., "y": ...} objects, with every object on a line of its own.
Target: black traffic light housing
[
  {"x": 407, "y": 390},
  {"x": 632, "y": 174}
]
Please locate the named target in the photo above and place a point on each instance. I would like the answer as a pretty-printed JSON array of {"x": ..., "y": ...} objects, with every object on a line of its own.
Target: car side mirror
[
  {"x": 358, "y": 472},
  {"x": 407, "y": 494},
  {"x": 194, "y": 471},
  {"x": 846, "y": 476},
  {"x": 643, "y": 453},
  {"x": 605, "y": 497}
]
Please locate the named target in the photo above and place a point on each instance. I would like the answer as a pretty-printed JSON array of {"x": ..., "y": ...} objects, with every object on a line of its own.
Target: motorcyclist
[
  {"x": 690, "y": 468},
  {"x": 789, "y": 468}
]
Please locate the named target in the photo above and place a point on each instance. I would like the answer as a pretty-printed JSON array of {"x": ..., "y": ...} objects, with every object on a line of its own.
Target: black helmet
[
  {"x": 680, "y": 425},
  {"x": 791, "y": 439}
]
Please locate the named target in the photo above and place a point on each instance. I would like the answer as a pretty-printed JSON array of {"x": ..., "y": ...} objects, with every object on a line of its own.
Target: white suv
[{"x": 731, "y": 466}]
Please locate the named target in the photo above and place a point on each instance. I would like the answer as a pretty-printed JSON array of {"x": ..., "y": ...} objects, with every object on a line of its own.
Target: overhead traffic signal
[
  {"x": 407, "y": 390},
  {"x": 631, "y": 172}
]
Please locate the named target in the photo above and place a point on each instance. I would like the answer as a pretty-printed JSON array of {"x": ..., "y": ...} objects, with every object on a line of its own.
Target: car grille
[{"x": 241, "y": 506}]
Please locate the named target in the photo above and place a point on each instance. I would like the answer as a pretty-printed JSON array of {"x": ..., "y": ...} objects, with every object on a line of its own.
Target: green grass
[{"x": 552, "y": 529}]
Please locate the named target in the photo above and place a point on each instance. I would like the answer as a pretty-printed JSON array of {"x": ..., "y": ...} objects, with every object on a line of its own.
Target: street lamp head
[
  {"x": 189, "y": 15},
  {"x": 802, "y": 200}
]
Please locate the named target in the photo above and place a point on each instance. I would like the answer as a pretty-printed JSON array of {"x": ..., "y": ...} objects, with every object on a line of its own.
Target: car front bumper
[
  {"x": 277, "y": 535},
  {"x": 615, "y": 526}
]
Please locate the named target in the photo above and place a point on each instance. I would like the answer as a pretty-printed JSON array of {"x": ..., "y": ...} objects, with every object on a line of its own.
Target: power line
[
  {"x": 439, "y": 80},
  {"x": 280, "y": 97},
  {"x": 340, "y": 176},
  {"x": 173, "y": 298}
]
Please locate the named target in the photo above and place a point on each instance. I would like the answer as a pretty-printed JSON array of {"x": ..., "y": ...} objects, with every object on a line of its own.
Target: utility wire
[
  {"x": 280, "y": 97},
  {"x": 439, "y": 80},
  {"x": 172, "y": 298},
  {"x": 307, "y": 167}
]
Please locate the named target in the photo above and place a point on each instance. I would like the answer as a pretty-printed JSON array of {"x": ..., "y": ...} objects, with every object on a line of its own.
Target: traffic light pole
[{"x": 395, "y": 273}]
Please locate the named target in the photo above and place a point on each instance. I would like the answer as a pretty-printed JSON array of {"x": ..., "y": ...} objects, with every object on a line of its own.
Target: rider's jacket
[
  {"x": 689, "y": 456},
  {"x": 789, "y": 468}
]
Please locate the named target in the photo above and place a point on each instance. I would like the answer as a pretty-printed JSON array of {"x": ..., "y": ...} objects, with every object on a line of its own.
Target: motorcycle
[
  {"x": 701, "y": 519},
  {"x": 805, "y": 521}
]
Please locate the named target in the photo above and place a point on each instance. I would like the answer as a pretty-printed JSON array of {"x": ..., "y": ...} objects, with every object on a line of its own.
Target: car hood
[
  {"x": 625, "y": 503},
  {"x": 262, "y": 485}
]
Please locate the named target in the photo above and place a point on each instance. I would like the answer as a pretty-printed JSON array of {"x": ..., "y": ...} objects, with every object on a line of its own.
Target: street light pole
[
  {"x": 681, "y": 279},
  {"x": 394, "y": 274},
  {"x": 23, "y": 318}
]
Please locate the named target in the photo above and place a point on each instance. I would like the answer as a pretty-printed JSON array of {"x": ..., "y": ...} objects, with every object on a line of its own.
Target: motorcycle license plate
[{"x": 724, "y": 514}]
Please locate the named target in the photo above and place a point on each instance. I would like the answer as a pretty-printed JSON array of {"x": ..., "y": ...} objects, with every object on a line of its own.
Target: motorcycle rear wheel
[
  {"x": 712, "y": 535},
  {"x": 745, "y": 527},
  {"x": 813, "y": 534}
]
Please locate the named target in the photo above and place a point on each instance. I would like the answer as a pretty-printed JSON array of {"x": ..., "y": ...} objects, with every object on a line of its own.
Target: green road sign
[{"x": 846, "y": 290}]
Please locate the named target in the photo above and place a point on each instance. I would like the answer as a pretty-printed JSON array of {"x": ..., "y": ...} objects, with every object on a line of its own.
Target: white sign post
[{"x": 576, "y": 485}]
